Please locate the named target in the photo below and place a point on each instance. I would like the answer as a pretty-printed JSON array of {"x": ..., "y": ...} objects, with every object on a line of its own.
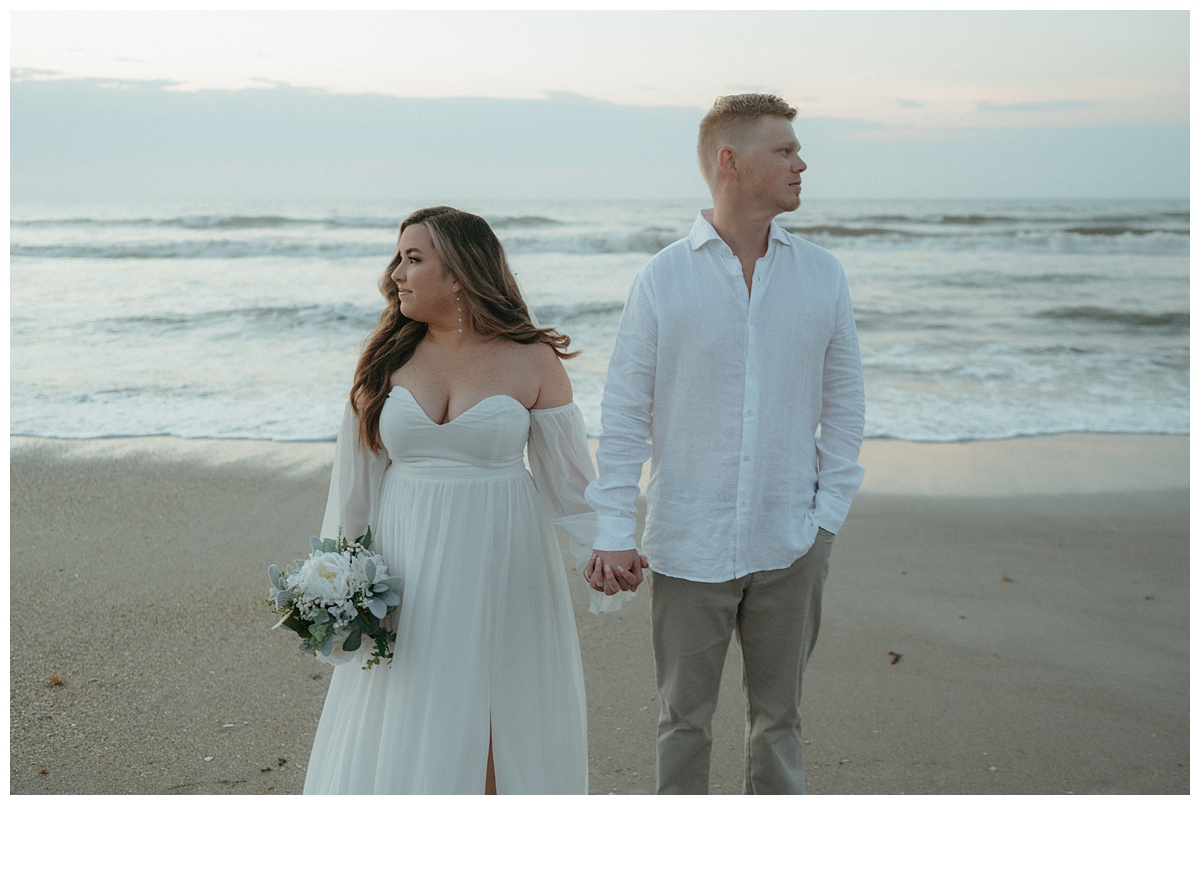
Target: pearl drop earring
[{"x": 460, "y": 319}]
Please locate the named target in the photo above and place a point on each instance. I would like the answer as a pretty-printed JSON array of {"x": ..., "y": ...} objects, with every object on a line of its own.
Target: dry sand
[{"x": 1001, "y": 618}]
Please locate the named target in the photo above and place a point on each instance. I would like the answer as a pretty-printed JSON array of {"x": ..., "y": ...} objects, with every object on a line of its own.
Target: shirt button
[{"x": 745, "y": 457}]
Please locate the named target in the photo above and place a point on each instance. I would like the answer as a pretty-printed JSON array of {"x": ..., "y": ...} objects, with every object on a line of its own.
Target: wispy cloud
[
  {"x": 19, "y": 75},
  {"x": 277, "y": 84},
  {"x": 1035, "y": 107},
  {"x": 45, "y": 75},
  {"x": 560, "y": 95},
  {"x": 909, "y": 103},
  {"x": 148, "y": 86}
]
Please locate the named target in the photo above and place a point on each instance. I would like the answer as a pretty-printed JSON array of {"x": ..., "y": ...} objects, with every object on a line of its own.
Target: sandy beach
[{"x": 1001, "y": 618}]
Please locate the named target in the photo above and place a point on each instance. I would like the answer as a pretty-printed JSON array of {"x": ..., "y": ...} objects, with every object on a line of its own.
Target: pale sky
[
  {"x": 893, "y": 78},
  {"x": 1085, "y": 67}
]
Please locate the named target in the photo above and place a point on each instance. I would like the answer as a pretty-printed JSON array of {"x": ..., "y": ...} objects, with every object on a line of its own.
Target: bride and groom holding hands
[{"x": 735, "y": 371}]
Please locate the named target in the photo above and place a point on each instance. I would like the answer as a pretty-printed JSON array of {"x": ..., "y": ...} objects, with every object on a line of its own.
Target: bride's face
[{"x": 425, "y": 290}]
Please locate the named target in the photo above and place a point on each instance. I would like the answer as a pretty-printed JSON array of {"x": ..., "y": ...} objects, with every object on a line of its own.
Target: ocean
[{"x": 977, "y": 319}]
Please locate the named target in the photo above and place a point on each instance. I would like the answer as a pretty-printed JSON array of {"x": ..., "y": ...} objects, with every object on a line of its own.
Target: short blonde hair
[{"x": 727, "y": 121}]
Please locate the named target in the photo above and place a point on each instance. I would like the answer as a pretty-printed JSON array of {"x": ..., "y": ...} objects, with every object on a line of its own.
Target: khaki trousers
[{"x": 775, "y": 616}]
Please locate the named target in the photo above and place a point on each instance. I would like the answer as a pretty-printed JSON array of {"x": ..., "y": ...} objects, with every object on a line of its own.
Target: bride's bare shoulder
[{"x": 554, "y": 386}]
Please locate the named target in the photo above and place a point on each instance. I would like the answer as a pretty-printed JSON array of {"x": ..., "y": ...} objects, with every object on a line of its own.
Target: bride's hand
[{"x": 613, "y": 571}]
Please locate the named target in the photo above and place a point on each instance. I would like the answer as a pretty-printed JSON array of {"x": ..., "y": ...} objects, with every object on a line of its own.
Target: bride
[{"x": 485, "y": 691}]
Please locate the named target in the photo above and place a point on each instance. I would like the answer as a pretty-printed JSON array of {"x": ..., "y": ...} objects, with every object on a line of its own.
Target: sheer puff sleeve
[
  {"x": 562, "y": 469},
  {"x": 354, "y": 487}
]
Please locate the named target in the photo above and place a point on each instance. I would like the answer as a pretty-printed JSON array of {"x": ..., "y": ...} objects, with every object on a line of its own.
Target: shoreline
[
  {"x": 1034, "y": 590},
  {"x": 1062, "y": 463}
]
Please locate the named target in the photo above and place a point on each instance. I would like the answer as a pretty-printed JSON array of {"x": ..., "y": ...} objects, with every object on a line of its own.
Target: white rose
[
  {"x": 358, "y": 571},
  {"x": 325, "y": 576},
  {"x": 380, "y": 567},
  {"x": 356, "y": 574}
]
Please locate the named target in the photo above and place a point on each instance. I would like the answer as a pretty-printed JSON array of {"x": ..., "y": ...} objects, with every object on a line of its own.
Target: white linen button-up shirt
[{"x": 750, "y": 407}]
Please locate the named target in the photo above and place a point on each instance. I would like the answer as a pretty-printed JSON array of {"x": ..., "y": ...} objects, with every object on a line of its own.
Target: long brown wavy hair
[{"x": 472, "y": 255}]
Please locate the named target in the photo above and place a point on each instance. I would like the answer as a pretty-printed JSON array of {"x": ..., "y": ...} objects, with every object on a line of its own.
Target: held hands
[{"x": 615, "y": 570}]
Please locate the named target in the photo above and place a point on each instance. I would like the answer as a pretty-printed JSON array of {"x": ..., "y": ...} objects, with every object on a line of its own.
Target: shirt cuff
[
  {"x": 830, "y": 511},
  {"x": 615, "y": 532}
]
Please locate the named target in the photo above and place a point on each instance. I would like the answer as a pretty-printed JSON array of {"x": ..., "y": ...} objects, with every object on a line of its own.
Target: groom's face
[{"x": 770, "y": 166}]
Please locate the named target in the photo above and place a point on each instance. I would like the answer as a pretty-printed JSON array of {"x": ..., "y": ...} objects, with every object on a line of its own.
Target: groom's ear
[{"x": 727, "y": 163}]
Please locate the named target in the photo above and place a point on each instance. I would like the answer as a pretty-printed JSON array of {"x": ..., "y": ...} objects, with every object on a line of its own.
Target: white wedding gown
[{"x": 486, "y": 641}]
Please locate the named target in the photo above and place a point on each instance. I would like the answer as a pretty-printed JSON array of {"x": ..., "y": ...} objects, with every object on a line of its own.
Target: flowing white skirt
[{"x": 486, "y": 648}]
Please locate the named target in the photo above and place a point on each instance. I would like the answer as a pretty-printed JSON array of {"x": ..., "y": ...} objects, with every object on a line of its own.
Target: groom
[{"x": 739, "y": 342}]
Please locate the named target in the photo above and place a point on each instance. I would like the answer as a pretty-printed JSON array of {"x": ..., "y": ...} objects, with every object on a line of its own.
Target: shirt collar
[{"x": 703, "y": 231}]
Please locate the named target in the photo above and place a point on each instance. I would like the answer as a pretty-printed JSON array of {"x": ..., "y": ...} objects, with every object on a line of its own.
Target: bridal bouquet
[{"x": 337, "y": 598}]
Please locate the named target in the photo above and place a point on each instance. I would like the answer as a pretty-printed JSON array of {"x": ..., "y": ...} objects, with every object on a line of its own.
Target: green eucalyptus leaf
[{"x": 352, "y": 642}]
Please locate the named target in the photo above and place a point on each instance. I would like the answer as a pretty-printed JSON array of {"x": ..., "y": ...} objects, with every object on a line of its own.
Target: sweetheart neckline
[{"x": 433, "y": 423}]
